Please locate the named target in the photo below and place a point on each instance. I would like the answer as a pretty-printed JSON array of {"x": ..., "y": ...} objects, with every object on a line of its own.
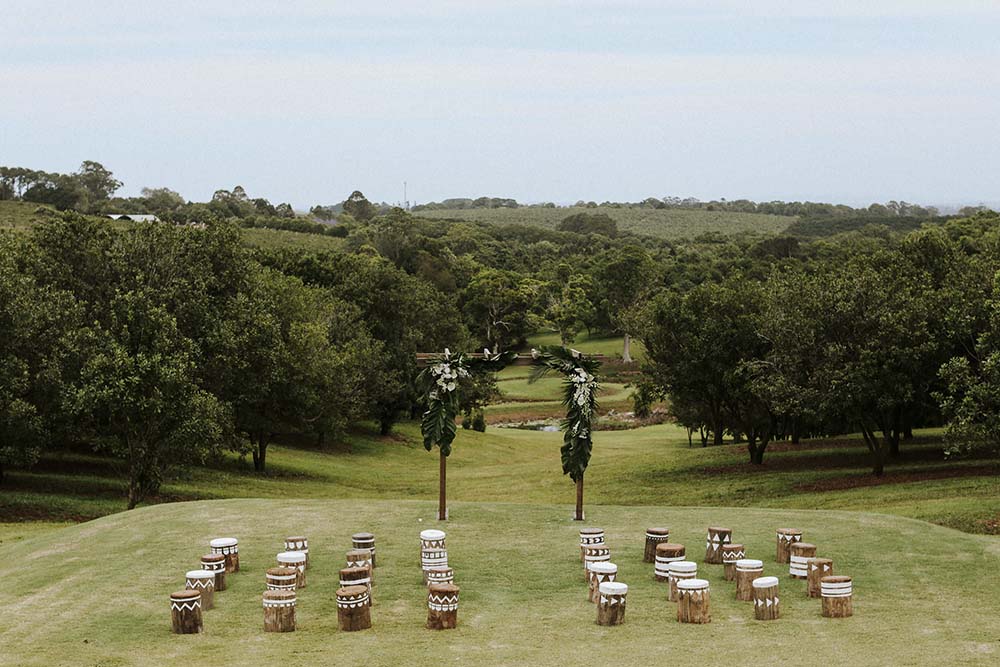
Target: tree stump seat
[
  {"x": 297, "y": 561},
  {"x": 442, "y": 606},
  {"x": 202, "y": 581},
  {"x": 611, "y": 598},
  {"x": 666, "y": 553},
  {"x": 216, "y": 564},
  {"x": 431, "y": 558},
  {"x": 693, "y": 601},
  {"x": 590, "y": 537},
  {"x": 298, "y": 543},
  {"x": 440, "y": 575},
  {"x": 600, "y": 572},
  {"x": 594, "y": 553},
  {"x": 678, "y": 571},
  {"x": 364, "y": 541},
  {"x": 281, "y": 578},
  {"x": 654, "y": 536},
  {"x": 185, "y": 612},
  {"x": 230, "y": 548},
  {"x": 747, "y": 570},
  {"x": 353, "y": 609},
  {"x": 785, "y": 538},
  {"x": 279, "y": 610},
  {"x": 357, "y": 576},
  {"x": 730, "y": 554},
  {"x": 714, "y": 541},
  {"x": 817, "y": 569},
  {"x": 837, "y": 593},
  {"x": 765, "y": 599},
  {"x": 800, "y": 553}
]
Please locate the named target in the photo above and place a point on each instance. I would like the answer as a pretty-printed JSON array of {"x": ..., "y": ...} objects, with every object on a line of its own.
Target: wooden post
[
  {"x": 730, "y": 554},
  {"x": 202, "y": 581},
  {"x": 837, "y": 594},
  {"x": 216, "y": 564},
  {"x": 678, "y": 570},
  {"x": 785, "y": 538},
  {"x": 666, "y": 553},
  {"x": 279, "y": 611},
  {"x": 297, "y": 560},
  {"x": 579, "y": 500},
  {"x": 611, "y": 603},
  {"x": 440, "y": 575},
  {"x": 364, "y": 541},
  {"x": 281, "y": 578},
  {"x": 714, "y": 541},
  {"x": 596, "y": 553},
  {"x": 600, "y": 572},
  {"x": 747, "y": 570},
  {"x": 765, "y": 599},
  {"x": 653, "y": 537},
  {"x": 442, "y": 606},
  {"x": 590, "y": 537},
  {"x": 185, "y": 612},
  {"x": 353, "y": 609},
  {"x": 442, "y": 490},
  {"x": 230, "y": 548},
  {"x": 693, "y": 601},
  {"x": 816, "y": 569},
  {"x": 298, "y": 543},
  {"x": 357, "y": 576},
  {"x": 801, "y": 552},
  {"x": 431, "y": 558}
]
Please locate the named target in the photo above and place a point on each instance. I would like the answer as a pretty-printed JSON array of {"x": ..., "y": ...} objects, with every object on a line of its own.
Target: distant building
[{"x": 134, "y": 217}]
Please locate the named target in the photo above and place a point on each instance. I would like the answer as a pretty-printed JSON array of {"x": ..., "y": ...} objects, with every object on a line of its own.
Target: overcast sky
[{"x": 547, "y": 100}]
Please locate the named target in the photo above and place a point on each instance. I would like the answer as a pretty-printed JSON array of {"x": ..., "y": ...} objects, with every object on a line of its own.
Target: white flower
[{"x": 451, "y": 386}]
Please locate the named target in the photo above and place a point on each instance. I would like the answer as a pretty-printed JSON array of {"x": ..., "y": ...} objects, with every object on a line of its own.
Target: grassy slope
[{"x": 17, "y": 215}]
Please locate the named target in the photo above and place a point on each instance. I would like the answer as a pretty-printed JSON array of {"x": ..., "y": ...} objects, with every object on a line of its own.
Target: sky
[{"x": 542, "y": 100}]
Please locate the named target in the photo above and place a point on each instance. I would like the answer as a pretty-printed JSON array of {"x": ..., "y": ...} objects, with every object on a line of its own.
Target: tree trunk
[
  {"x": 579, "y": 500},
  {"x": 796, "y": 432},
  {"x": 133, "y": 494},
  {"x": 690, "y": 443},
  {"x": 1, "y": 472},
  {"x": 384, "y": 426},
  {"x": 259, "y": 453},
  {"x": 442, "y": 489},
  {"x": 895, "y": 428},
  {"x": 717, "y": 432},
  {"x": 627, "y": 350},
  {"x": 875, "y": 447}
]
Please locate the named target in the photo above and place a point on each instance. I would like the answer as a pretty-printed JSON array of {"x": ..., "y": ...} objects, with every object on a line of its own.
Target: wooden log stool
[
  {"x": 679, "y": 570},
  {"x": 730, "y": 554},
  {"x": 353, "y": 609},
  {"x": 230, "y": 548},
  {"x": 837, "y": 593},
  {"x": 653, "y": 537},
  {"x": 357, "y": 576},
  {"x": 442, "y": 606},
  {"x": 600, "y": 572},
  {"x": 666, "y": 553},
  {"x": 185, "y": 612},
  {"x": 590, "y": 537},
  {"x": 786, "y": 537},
  {"x": 298, "y": 543},
  {"x": 296, "y": 560},
  {"x": 216, "y": 564},
  {"x": 611, "y": 598},
  {"x": 202, "y": 581},
  {"x": 801, "y": 552},
  {"x": 714, "y": 541},
  {"x": 693, "y": 600},
  {"x": 747, "y": 570},
  {"x": 440, "y": 575},
  {"x": 431, "y": 558},
  {"x": 594, "y": 553},
  {"x": 279, "y": 611},
  {"x": 817, "y": 568},
  {"x": 431, "y": 539},
  {"x": 281, "y": 578},
  {"x": 364, "y": 541},
  {"x": 765, "y": 599}
]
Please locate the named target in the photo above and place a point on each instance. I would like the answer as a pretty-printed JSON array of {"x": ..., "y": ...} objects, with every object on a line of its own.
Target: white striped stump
[
  {"x": 611, "y": 597},
  {"x": 714, "y": 541},
  {"x": 440, "y": 575},
  {"x": 837, "y": 593},
  {"x": 298, "y": 543},
  {"x": 678, "y": 571},
  {"x": 202, "y": 581},
  {"x": 279, "y": 611},
  {"x": 801, "y": 552},
  {"x": 357, "y": 576},
  {"x": 431, "y": 539},
  {"x": 353, "y": 609},
  {"x": 590, "y": 537},
  {"x": 364, "y": 541},
  {"x": 600, "y": 572},
  {"x": 442, "y": 606},
  {"x": 666, "y": 553},
  {"x": 594, "y": 553},
  {"x": 185, "y": 612},
  {"x": 653, "y": 537},
  {"x": 361, "y": 558},
  {"x": 765, "y": 599},
  {"x": 730, "y": 554},
  {"x": 297, "y": 560},
  {"x": 693, "y": 601},
  {"x": 281, "y": 578},
  {"x": 230, "y": 548},
  {"x": 786, "y": 537},
  {"x": 747, "y": 570},
  {"x": 431, "y": 558},
  {"x": 817, "y": 568},
  {"x": 216, "y": 564}
]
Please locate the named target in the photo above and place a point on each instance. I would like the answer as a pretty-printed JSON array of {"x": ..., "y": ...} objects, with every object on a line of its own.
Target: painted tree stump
[
  {"x": 590, "y": 537},
  {"x": 364, "y": 541},
  {"x": 594, "y": 553},
  {"x": 361, "y": 558},
  {"x": 431, "y": 558},
  {"x": 714, "y": 541},
  {"x": 817, "y": 568},
  {"x": 440, "y": 575},
  {"x": 786, "y": 537},
  {"x": 281, "y": 578},
  {"x": 837, "y": 593},
  {"x": 747, "y": 570},
  {"x": 678, "y": 571},
  {"x": 353, "y": 609},
  {"x": 298, "y": 543},
  {"x": 202, "y": 581},
  {"x": 357, "y": 576},
  {"x": 765, "y": 599},
  {"x": 230, "y": 548},
  {"x": 730, "y": 554},
  {"x": 296, "y": 560},
  {"x": 693, "y": 601},
  {"x": 666, "y": 553},
  {"x": 442, "y": 606},
  {"x": 185, "y": 612},
  {"x": 431, "y": 539},
  {"x": 801, "y": 552},
  {"x": 611, "y": 597},
  {"x": 216, "y": 564},
  {"x": 654, "y": 536},
  {"x": 279, "y": 611},
  {"x": 600, "y": 572}
]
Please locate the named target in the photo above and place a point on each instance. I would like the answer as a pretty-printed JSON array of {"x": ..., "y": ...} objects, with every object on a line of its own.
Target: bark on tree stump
[
  {"x": 296, "y": 560},
  {"x": 353, "y": 609},
  {"x": 747, "y": 570},
  {"x": 365, "y": 541},
  {"x": 298, "y": 543},
  {"x": 786, "y": 537},
  {"x": 678, "y": 571},
  {"x": 611, "y": 598},
  {"x": 666, "y": 553},
  {"x": 281, "y": 578},
  {"x": 594, "y": 553},
  {"x": 714, "y": 541},
  {"x": 357, "y": 576},
  {"x": 431, "y": 539},
  {"x": 801, "y": 552},
  {"x": 654, "y": 536},
  {"x": 279, "y": 611},
  {"x": 185, "y": 612},
  {"x": 600, "y": 572},
  {"x": 230, "y": 548},
  {"x": 216, "y": 564},
  {"x": 693, "y": 601},
  {"x": 730, "y": 554},
  {"x": 431, "y": 558},
  {"x": 765, "y": 599},
  {"x": 442, "y": 606},
  {"x": 837, "y": 593},
  {"x": 440, "y": 575},
  {"x": 817, "y": 568},
  {"x": 202, "y": 581},
  {"x": 590, "y": 537}
]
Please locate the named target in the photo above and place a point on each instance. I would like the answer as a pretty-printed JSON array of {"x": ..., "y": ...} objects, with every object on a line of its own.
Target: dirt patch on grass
[{"x": 845, "y": 482}]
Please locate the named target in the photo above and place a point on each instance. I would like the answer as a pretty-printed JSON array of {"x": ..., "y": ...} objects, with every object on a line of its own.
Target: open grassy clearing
[{"x": 18, "y": 215}]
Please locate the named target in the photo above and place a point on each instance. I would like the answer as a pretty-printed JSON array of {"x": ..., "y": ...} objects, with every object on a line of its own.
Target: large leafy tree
[
  {"x": 498, "y": 307},
  {"x": 623, "y": 276}
]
